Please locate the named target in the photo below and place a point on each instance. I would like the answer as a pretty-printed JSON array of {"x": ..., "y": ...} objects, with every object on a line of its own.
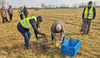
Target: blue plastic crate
[{"x": 71, "y": 47}]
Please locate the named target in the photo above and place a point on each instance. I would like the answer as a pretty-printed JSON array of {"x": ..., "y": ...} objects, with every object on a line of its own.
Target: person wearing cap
[
  {"x": 27, "y": 24},
  {"x": 58, "y": 27},
  {"x": 21, "y": 13},
  {"x": 25, "y": 11},
  {"x": 89, "y": 14}
]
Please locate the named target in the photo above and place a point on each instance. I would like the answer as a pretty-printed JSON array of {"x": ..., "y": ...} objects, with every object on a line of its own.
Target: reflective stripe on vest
[
  {"x": 20, "y": 11},
  {"x": 88, "y": 14},
  {"x": 26, "y": 22}
]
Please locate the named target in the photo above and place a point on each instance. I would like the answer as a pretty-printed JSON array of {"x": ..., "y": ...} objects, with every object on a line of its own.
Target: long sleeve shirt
[
  {"x": 35, "y": 28},
  {"x": 94, "y": 12}
]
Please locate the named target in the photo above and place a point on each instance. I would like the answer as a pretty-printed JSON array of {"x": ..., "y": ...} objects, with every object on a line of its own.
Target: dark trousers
[
  {"x": 25, "y": 33},
  {"x": 21, "y": 16},
  {"x": 4, "y": 18},
  {"x": 10, "y": 16},
  {"x": 25, "y": 15},
  {"x": 86, "y": 26}
]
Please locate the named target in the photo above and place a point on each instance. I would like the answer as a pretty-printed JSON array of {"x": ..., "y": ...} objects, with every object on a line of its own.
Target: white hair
[{"x": 58, "y": 27}]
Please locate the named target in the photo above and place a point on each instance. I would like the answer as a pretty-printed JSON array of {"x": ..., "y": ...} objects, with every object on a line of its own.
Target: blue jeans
[
  {"x": 25, "y": 33},
  {"x": 53, "y": 37}
]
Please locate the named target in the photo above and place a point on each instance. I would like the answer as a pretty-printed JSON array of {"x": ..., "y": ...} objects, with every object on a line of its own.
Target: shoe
[{"x": 28, "y": 47}]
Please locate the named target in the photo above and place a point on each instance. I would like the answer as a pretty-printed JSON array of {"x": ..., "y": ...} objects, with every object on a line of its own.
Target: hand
[{"x": 60, "y": 42}]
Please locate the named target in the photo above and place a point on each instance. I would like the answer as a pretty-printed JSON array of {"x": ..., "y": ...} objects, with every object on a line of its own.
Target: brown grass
[{"x": 12, "y": 42}]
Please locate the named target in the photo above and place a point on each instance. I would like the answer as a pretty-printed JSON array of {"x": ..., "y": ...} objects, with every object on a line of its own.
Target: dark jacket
[
  {"x": 94, "y": 12},
  {"x": 25, "y": 11},
  {"x": 34, "y": 28}
]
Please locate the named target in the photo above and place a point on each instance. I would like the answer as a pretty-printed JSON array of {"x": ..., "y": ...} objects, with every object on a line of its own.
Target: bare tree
[
  {"x": 82, "y": 5},
  {"x": 94, "y": 4},
  {"x": 2, "y": 3},
  {"x": 74, "y": 6},
  {"x": 43, "y": 5}
]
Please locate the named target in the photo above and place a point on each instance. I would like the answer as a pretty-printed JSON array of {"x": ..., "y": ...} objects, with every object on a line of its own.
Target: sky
[{"x": 37, "y": 3}]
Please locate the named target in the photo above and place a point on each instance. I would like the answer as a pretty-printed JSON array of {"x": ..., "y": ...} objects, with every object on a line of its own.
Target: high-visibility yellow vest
[
  {"x": 88, "y": 14},
  {"x": 21, "y": 11},
  {"x": 26, "y": 22}
]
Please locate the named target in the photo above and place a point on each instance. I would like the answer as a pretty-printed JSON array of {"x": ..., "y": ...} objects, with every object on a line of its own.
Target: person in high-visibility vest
[
  {"x": 21, "y": 13},
  {"x": 89, "y": 14},
  {"x": 27, "y": 24}
]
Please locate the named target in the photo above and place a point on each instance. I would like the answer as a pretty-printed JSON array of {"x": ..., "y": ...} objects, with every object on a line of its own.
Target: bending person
[
  {"x": 58, "y": 27},
  {"x": 27, "y": 24}
]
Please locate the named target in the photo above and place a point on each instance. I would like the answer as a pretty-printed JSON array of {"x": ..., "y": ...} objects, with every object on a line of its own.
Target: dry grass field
[{"x": 12, "y": 42}]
